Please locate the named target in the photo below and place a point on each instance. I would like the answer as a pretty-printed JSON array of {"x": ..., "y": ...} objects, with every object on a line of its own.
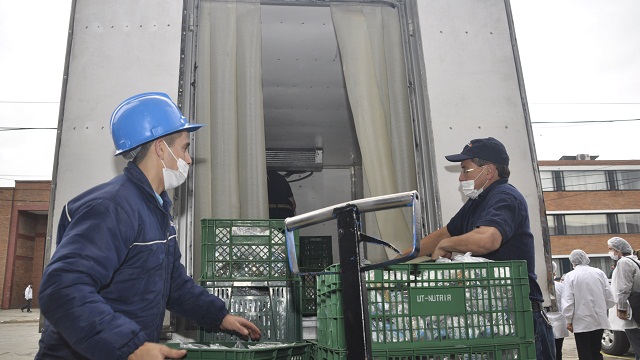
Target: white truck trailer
[{"x": 361, "y": 97}]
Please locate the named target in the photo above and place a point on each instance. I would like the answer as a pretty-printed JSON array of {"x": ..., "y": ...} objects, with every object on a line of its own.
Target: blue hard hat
[{"x": 146, "y": 117}]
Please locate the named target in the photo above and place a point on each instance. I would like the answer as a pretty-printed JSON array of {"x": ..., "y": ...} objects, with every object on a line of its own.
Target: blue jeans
[{"x": 545, "y": 341}]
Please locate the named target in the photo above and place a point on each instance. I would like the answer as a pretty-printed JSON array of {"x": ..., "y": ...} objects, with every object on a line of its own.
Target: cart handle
[{"x": 365, "y": 205}]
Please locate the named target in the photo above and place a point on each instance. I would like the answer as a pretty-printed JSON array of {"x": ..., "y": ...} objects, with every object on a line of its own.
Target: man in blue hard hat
[{"x": 117, "y": 265}]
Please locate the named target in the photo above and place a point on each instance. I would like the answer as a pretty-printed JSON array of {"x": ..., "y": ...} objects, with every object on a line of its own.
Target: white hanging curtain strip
[
  {"x": 229, "y": 99},
  {"x": 371, "y": 51}
]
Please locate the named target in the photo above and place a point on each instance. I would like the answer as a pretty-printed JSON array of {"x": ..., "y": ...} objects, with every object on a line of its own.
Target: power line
[
  {"x": 29, "y": 102},
  {"x": 584, "y": 103},
  {"x": 583, "y": 121},
  {"x": 12, "y": 176},
  {"x": 26, "y": 128}
]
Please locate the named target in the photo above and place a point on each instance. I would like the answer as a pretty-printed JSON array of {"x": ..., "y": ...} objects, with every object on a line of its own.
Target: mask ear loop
[
  {"x": 484, "y": 167},
  {"x": 172, "y": 154},
  {"x": 485, "y": 183}
]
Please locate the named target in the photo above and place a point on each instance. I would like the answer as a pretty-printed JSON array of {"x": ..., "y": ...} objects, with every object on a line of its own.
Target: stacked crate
[
  {"x": 437, "y": 311},
  {"x": 315, "y": 256},
  {"x": 245, "y": 263},
  {"x": 247, "y": 250}
]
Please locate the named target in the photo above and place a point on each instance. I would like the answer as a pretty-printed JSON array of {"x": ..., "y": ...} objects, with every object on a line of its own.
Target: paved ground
[
  {"x": 19, "y": 337},
  {"x": 19, "y": 334}
]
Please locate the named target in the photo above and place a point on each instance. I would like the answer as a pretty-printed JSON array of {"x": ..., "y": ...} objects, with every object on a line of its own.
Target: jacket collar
[{"x": 134, "y": 174}]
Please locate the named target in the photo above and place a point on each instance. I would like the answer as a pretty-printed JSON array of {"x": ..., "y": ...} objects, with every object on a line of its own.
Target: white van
[{"x": 614, "y": 339}]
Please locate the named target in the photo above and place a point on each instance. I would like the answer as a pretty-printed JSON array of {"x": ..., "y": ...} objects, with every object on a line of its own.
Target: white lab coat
[
  {"x": 558, "y": 321},
  {"x": 28, "y": 293},
  {"x": 625, "y": 278},
  {"x": 586, "y": 298}
]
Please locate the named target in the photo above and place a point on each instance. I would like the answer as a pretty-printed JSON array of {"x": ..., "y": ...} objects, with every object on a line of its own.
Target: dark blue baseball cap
[{"x": 488, "y": 149}]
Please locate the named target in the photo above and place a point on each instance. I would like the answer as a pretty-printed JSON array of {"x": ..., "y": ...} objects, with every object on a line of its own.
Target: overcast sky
[
  {"x": 581, "y": 62},
  {"x": 580, "y": 58}
]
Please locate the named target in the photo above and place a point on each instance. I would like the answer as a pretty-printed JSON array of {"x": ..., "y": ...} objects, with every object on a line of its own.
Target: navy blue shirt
[{"x": 503, "y": 207}]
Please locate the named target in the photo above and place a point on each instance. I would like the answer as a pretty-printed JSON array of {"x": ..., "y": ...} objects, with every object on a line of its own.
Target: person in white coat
[
  {"x": 625, "y": 278},
  {"x": 558, "y": 322},
  {"x": 586, "y": 298},
  {"x": 28, "y": 295}
]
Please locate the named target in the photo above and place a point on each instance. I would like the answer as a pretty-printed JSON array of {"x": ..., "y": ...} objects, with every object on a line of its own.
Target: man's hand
[
  {"x": 153, "y": 351},
  {"x": 570, "y": 327},
  {"x": 622, "y": 314},
  {"x": 240, "y": 326},
  {"x": 439, "y": 252}
]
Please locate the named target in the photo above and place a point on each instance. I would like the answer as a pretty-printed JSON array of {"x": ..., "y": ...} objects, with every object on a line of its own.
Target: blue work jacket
[{"x": 115, "y": 270}]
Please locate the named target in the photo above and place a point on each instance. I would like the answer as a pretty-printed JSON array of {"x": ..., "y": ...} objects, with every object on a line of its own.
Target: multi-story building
[{"x": 589, "y": 201}]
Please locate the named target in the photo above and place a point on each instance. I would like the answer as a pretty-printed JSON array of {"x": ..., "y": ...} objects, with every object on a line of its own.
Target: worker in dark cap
[{"x": 493, "y": 223}]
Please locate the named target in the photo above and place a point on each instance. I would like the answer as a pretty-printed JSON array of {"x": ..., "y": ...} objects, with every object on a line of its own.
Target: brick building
[
  {"x": 587, "y": 202},
  {"x": 23, "y": 229}
]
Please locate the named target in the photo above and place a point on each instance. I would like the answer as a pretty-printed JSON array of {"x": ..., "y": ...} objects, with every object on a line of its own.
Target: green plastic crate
[
  {"x": 293, "y": 351},
  {"x": 244, "y": 250},
  {"x": 315, "y": 252},
  {"x": 315, "y": 255},
  {"x": 434, "y": 305},
  {"x": 308, "y": 291},
  {"x": 274, "y": 306},
  {"x": 517, "y": 351}
]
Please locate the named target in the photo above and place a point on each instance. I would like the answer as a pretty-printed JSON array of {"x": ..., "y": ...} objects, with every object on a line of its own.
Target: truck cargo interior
[{"x": 289, "y": 80}]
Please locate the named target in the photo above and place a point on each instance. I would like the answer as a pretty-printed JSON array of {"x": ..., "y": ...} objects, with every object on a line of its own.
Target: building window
[
  {"x": 603, "y": 263},
  {"x": 584, "y": 180},
  {"x": 627, "y": 180},
  {"x": 546, "y": 179},
  {"x": 586, "y": 224},
  {"x": 629, "y": 223},
  {"x": 581, "y": 180},
  {"x": 553, "y": 227}
]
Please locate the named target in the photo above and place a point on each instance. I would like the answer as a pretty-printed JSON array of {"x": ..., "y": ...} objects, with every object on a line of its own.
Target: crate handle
[{"x": 365, "y": 205}]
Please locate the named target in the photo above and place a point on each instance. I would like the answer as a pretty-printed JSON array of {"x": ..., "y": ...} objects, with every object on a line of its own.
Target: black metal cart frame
[{"x": 354, "y": 295}]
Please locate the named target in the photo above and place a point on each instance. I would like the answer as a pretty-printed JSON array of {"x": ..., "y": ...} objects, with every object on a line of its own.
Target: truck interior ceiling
[{"x": 318, "y": 91}]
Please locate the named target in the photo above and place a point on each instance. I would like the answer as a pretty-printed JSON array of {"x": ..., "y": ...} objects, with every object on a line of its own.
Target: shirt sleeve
[
  {"x": 455, "y": 227},
  {"x": 609, "y": 298},
  {"x": 559, "y": 293},
  {"x": 504, "y": 213},
  {"x": 626, "y": 270},
  {"x": 568, "y": 299}
]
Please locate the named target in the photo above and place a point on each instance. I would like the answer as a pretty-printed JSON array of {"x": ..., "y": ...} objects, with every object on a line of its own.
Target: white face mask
[
  {"x": 174, "y": 178},
  {"x": 613, "y": 256},
  {"x": 469, "y": 187}
]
